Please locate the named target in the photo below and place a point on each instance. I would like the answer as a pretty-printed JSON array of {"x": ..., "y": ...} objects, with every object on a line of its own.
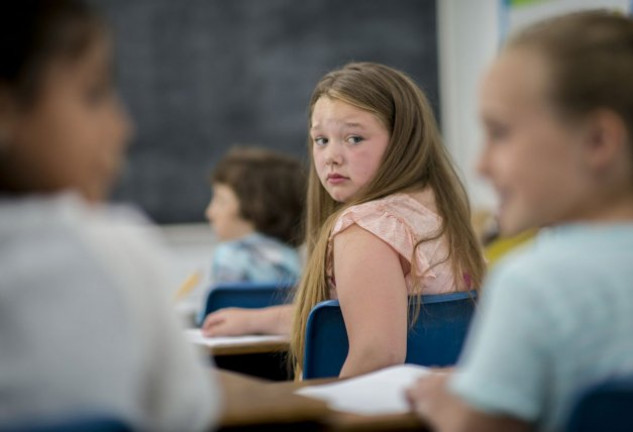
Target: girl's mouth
[{"x": 336, "y": 178}]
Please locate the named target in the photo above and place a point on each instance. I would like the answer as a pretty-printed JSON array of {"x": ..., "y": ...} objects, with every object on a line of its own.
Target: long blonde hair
[{"x": 415, "y": 159}]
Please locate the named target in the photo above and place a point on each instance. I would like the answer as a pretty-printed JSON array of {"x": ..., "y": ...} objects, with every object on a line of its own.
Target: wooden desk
[
  {"x": 254, "y": 403},
  {"x": 238, "y": 345},
  {"x": 251, "y": 402},
  {"x": 268, "y": 347},
  {"x": 341, "y": 421},
  {"x": 263, "y": 357}
]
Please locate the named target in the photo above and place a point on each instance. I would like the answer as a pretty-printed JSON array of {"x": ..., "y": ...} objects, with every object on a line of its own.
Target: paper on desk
[
  {"x": 380, "y": 392},
  {"x": 195, "y": 336}
]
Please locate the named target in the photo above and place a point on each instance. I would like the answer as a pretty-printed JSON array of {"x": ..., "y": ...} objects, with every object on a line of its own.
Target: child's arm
[
  {"x": 432, "y": 401},
  {"x": 373, "y": 297},
  {"x": 238, "y": 321}
]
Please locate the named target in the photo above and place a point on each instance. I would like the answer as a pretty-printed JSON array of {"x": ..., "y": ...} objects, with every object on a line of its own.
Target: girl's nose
[{"x": 333, "y": 155}]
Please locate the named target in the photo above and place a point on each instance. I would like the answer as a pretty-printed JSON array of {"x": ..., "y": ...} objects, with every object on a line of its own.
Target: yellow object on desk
[
  {"x": 189, "y": 284},
  {"x": 500, "y": 247}
]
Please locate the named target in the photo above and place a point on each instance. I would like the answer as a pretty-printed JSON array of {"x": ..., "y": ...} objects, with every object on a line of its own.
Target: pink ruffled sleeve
[{"x": 388, "y": 226}]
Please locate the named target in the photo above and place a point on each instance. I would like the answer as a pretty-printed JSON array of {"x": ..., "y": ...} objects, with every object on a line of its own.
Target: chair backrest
[
  {"x": 435, "y": 339},
  {"x": 606, "y": 406},
  {"x": 80, "y": 424},
  {"x": 246, "y": 295}
]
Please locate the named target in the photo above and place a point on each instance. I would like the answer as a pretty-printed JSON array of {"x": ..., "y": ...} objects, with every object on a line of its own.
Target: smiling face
[
  {"x": 74, "y": 134},
  {"x": 347, "y": 146},
  {"x": 533, "y": 158}
]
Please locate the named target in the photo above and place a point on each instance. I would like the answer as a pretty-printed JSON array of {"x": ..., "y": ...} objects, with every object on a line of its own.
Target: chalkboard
[{"x": 198, "y": 76}]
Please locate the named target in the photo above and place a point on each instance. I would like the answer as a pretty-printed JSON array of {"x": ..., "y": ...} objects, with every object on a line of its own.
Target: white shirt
[{"x": 84, "y": 323}]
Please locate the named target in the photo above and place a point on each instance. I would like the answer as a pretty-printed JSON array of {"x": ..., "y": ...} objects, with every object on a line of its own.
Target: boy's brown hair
[{"x": 270, "y": 188}]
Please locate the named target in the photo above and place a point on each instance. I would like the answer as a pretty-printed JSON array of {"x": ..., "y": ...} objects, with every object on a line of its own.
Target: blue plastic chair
[
  {"x": 436, "y": 338},
  {"x": 246, "y": 295},
  {"x": 79, "y": 424},
  {"x": 605, "y": 407}
]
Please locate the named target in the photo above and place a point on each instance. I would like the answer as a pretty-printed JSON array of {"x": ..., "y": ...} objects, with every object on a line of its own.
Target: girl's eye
[
  {"x": 320, "y": 141},
  {"x": 354, "y": 139}
]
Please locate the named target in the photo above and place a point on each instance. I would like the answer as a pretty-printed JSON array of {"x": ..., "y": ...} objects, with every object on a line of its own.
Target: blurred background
[{"x": 201, "y": 75}]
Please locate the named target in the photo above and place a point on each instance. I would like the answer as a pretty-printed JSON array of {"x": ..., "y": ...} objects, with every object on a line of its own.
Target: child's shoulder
[
  {"x": 401, "y": 209},
  {"x": 53, "y": 214},
  {"x": 65, "y": 222},
  {"x": 66, "y": 208},
  {"x": 400, "y": 220},
  {"x": 564, "y": 260},
  {"x": 76, "y": 247},
  {"x": 403, "y": 203},
  {"x": 577, "y": 242}
]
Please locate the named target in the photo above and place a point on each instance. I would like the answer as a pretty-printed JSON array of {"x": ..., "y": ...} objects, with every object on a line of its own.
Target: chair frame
[
  {"x": 246, "y": 295},
  {"x": 435, "y": 339},
  {"x": 604, "y": 406}
]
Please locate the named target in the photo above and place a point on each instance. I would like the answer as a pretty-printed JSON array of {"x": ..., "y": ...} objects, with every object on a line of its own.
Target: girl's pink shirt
[{"x": 401, "y": 220}]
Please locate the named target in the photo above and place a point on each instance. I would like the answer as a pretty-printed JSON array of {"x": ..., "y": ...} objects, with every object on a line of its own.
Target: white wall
[
  {"x": 468, "y": 41},
  {"x": 469, "y": 37},
  {"x": 190, "y": 251}
]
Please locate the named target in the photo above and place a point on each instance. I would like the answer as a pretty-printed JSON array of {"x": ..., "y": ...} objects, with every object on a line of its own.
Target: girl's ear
[{"x": 607, "y": 140}]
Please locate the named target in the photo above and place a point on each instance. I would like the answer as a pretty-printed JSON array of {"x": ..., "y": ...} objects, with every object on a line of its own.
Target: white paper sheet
[
  {"x": 376, "y": 393},
  {"x": 195, "y": 336}
]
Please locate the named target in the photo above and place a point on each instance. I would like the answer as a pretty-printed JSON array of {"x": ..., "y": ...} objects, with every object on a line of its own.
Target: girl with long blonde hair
[{"x": 387, "y": 218}]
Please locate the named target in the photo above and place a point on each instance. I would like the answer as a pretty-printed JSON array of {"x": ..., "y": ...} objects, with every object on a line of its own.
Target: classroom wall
[
  {"x": 468, "y": 39},
  {"x": 200, "y": 75},
  {"x": 470, "y": 33}
]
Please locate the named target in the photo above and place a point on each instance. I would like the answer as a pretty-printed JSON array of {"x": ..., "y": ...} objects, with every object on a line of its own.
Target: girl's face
[
  {"x": 223, "y": 212},
  {"x": 347, "y": 146},
  {"x": 74, "y": 134},
  {"x": 533, "y": 158}
]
